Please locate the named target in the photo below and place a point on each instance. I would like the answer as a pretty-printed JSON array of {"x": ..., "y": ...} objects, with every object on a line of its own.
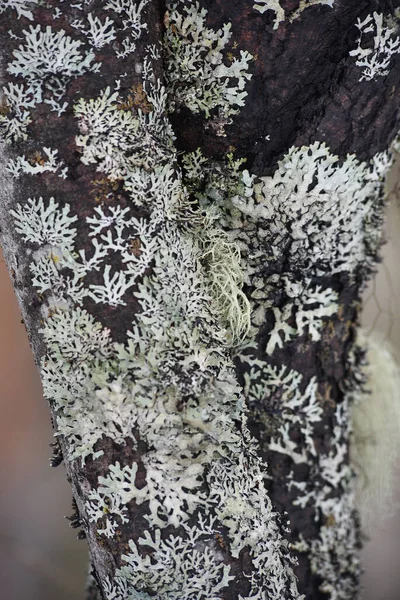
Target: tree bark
[{"x": 191, "y": 204}]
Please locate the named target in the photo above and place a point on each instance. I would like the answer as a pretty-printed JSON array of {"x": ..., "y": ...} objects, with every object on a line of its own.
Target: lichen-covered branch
[
  {"x": 133, "y": 327},
  {"x": 188, "y": 227}
]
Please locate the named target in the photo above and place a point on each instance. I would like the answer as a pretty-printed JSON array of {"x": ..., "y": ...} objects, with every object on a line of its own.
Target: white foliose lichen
[
  {"x": 110, "y": 134},
  {"x": 99, "y": 33},
  {"x": 319, "y": 211},
  {"x": 171, "y": 385},
  {"x": 40, "y": 162},
  {"x": 324, "y": 205},
  {"x": 198, "y": 73},
  {"x": 180, "y": 568},
  {"x": 324, "y": 214},
  {"x": 307, "y": 306},
  {"x": 131, "y": 13},
  {"x": 334, "y": 554},
  {"x": 48, "y": 60},
  {"x": 296, "y": 409},
  {"x": 375, "y": 58},
  {"x": 109, "y": 500},
  {"x": 42, "y": 224},
  {"x": 328, "y": 486},
  {"x": 57, "y": 266},
  {"x": 375, "y": 446},
  {"x": 21, "y": 6},
  {"x": 263, "y": 5}
]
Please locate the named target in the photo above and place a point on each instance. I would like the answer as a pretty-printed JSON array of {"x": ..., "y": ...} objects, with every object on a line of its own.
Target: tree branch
[{"x": 188, "y": 230}]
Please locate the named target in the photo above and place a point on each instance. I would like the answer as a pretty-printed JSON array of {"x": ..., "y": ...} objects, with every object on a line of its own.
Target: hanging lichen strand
[
  {"x": 137, "y": 306},
  {"x": 189, "y": 210}
]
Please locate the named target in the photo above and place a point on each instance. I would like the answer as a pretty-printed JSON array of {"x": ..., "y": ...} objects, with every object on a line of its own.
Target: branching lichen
[
  {"x": 99, "y": 33},
  {"x": 197, "y": 71},
  {"x": 323, "y": 215},
  {"x": 180, "y": 567},
  {"x": 318, "y": 211},
  {"x": 275, "y": 5},
  {"x": 41, "y": 223},
  {"x": 15, "y": 113},
  {"x": 38, "y": 163},
  {"x": 196, "y": 249},
  {"x": 375, "y": 58},
  {"x": 109, "y": 500},
  {"x": 328, "y": 486},
  {"x": 21, "y": 6},
  {"x": 48, "y": 60},
  {"x": 172, "y": 385}
]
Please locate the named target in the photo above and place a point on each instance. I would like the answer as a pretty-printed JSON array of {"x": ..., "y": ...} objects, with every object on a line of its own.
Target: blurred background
[
  {"x": 381, "y": 316},
  {"x": 40, "y": 557}
]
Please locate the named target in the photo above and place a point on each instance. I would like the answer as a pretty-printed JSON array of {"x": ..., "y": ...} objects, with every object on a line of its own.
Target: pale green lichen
[
  {"x": 180, "y": 568},
  {"x": 109, "y": 500},
  {"x": 41, "y": 223},
  {"x": 329, "y": 484},
  {"x": 131, "y": 13},
  {"x": 109, "y": 135},
  {"x": 324, "y": 215},
  {"x": 263, "y": 5},
  {"x": 198, "y": 72},
  {"x": 21, "y": 6},
  {"x": 39, "y": 163},
  {"x": 48, "y": 60},
  {"x": 275, "y": 5},
  {"x": 172, "y": 384},
  {"x": 15, "y": 114},
  {"x": 375, "y": 61},
  {"x": 333, "y": 554},
  {"x": 302, "y": 201},
  {"x": 225, "y": 277},
  {"x": 99, "y": 33},
  {"x": 75, "y": 337},
  {"x": 294, "y": 211},
  {"x": 309, "y": 305}
]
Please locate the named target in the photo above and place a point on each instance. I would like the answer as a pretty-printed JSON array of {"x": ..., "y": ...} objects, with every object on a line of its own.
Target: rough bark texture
[{"x": 191, "y": 204}]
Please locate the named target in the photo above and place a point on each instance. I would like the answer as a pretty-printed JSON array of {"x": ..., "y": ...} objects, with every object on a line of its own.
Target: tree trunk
[{"x": 191, "y": 204}]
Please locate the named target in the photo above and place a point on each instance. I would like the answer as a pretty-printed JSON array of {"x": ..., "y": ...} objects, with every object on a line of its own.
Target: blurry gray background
[
  {"x": 40, "y": 558},
  {"x": 381, "y": 556}
]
